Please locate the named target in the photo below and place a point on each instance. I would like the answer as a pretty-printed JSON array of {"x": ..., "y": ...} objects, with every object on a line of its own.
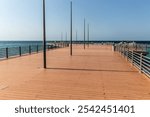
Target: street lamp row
[{"x": 44, "y": 34}]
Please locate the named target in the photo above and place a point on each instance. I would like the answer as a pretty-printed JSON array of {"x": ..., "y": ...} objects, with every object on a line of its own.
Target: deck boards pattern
[{"x": 96, "y": 73}]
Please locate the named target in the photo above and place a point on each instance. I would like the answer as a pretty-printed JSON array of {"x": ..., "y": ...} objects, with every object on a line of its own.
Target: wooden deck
[{"x": 94, "y": 73}]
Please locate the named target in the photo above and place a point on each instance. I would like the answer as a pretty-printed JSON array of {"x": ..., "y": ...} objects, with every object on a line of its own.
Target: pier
[{"x": 96, "y": 73}]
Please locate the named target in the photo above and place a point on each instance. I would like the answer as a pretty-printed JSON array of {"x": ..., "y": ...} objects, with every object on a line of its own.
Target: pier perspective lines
[{"x": 96, "y": 73}]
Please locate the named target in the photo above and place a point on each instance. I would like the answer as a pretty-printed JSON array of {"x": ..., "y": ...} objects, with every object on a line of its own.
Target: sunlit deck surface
[{"x": 91, "y": 74}]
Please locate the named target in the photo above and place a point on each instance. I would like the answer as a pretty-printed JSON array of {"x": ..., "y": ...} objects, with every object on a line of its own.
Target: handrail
[
  {"x": 9, "y": 52},
  {"x": 138, "y": 60}
]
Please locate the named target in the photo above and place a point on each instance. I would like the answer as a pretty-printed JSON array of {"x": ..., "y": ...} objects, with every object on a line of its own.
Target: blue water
[
  {"x": 25, "y": 47},
  {"x": 4, "y": 44},
  {"x": 149, "y": 52},
  {"x": 14, "y": 50}
]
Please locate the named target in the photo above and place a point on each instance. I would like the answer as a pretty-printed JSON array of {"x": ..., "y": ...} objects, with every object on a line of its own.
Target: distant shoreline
[{"x": 138, "y": 41}]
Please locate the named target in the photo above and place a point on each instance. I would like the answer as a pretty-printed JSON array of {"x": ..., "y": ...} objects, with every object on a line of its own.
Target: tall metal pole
[
  {"x": 88, "y": 35},
  {"x": 61, "y": 37},
  {"x": 66, "y": 37},
  {"x": 84, "y": 33},
  {"x": 76, "y": 36},
  {"x": 61, "y": 42},
  {"x": 71, "y": 28},
  {"x": 44, "y": 36}
]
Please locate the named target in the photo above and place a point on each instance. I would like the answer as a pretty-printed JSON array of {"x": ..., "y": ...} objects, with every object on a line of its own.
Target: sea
[
  {"x": 13, "y": 46},
  {"x": 14, "y": 50},
  {"x": 148, "y": 50},
  {"x": 5, "y": 44}
]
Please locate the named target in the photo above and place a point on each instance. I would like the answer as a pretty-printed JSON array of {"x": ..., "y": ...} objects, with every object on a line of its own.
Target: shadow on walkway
[{"x": 74, "y": 69}]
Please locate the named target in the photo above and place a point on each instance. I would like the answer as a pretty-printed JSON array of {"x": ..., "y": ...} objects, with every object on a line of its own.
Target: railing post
[
  {"x": 146, "y": 48},
  {"x": 117, "y": 47},
  {"x": 124, "y": 53},
  {"x": 48, "y": 46},
  {"x": 132, "y": 57},
  {"x": 127, "y": 53},
  {"x": 7, "y": 53},
  {"x": 141, "y": 57},
  {"x": 20, "y": 50},
  {"x": 121, "y": 50},
  {"x": 29, "y": 49},
  {"x": 37, "y": 48}
]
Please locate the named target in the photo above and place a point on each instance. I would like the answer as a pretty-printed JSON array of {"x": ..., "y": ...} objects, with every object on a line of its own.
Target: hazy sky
[{"x": 109, "y": 19}]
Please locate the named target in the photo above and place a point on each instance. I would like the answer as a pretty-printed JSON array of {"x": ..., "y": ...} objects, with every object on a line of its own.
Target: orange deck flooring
[{"x": 96, "y": 73}]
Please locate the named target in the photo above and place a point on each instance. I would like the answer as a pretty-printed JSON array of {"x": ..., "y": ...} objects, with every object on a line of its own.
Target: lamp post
[
  {"x": 44, "y": 36},
  {"x": 76, "y": 37},
  {"x": 71, "y": 28},
  {"x": 66, "y": 37},
  {"x": 61, "y": 41},
  {"x": 84, "y": 33},
  {"x": 88, "y": 35},
  {"x": 61, "y": 37}
]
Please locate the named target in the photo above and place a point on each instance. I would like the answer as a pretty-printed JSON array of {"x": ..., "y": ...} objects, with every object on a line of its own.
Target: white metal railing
[{"x": 138, "y": 60}]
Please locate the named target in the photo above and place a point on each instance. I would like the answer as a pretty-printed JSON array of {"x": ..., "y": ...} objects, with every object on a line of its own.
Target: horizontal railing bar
[
  {"x": 137, "y": 59},
  {"x": 24, "y": 50},
  {"x": 146, "y": 60},
  {"x": 146, "y": 67},
  {"x": 145, "y": 63},
  {"x": 146, "y": 71},
  {"x": 146, "y": 57},
  {"x": 136, "y": 56}
]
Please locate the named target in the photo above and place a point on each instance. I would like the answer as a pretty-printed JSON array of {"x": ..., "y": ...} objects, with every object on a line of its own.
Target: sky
[{"x": 108, "y": 19}]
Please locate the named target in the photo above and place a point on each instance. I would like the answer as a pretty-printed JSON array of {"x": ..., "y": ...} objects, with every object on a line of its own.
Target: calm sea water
[
  {"x": 4, "y": 44},
  {"x": 14, "y": 50}
]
